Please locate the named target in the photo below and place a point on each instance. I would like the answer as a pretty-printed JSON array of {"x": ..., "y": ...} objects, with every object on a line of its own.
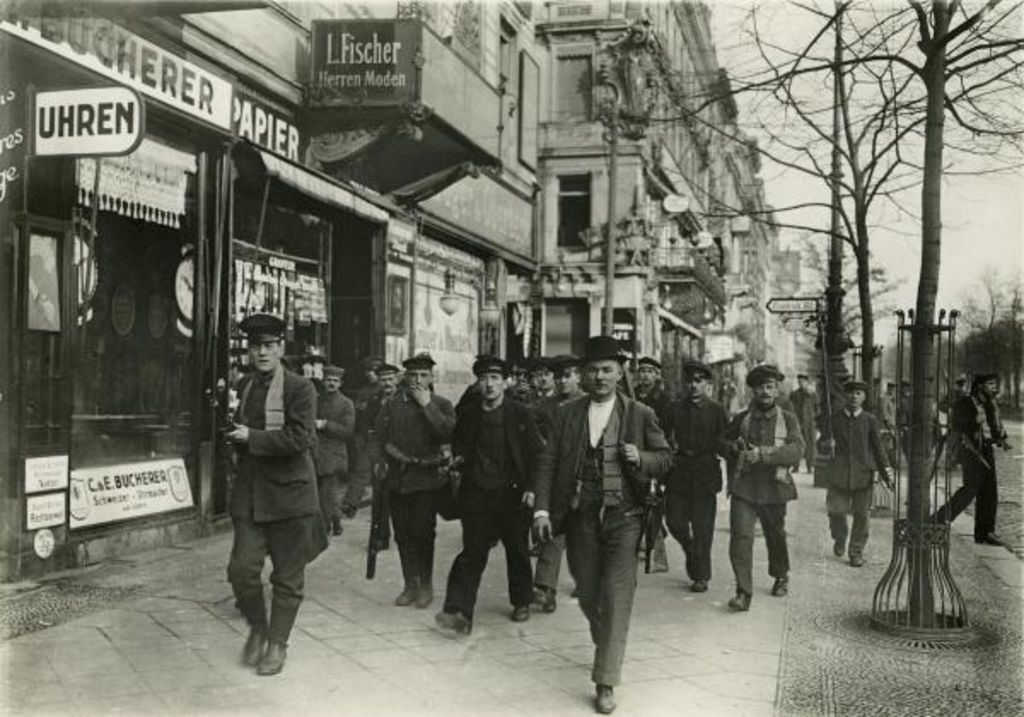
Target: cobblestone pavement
[{"x": 167, "y": 638}]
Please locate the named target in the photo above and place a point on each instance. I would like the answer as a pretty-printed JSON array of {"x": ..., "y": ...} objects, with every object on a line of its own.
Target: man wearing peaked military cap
[
  {"x": 693, "y": 367},
  {"x": 335, "y": 425},
  {"x": 762, "y": 373},
  {"x": 490, "y": 364},
  {"x": 274, "y": 501},
  {"x": 422, "y": 360},
  {"x": 591, "y": 481}
]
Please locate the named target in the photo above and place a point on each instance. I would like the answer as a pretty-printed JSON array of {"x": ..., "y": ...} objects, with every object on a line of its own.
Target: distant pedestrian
[
  {"x": 498, "y": 442},
  {"x": 364, "y": 393},
  {"x": 858, "y": 456},
  {"x": 765, "y": 441},
  {"x": 542, "y": 377},
  {"x": 591, "y": 484},
  {"x": 805, "y": 405},
  {"x": 979, "y": 428},
  {"x": 649, "y": 388},
  {"x": 696, "y": 427},
  {"x": 409, "y": 432},
  {"x": 274, "y": 502},
  {"x": 335, "y": 422},
  {"x": 566, "y": 368}
]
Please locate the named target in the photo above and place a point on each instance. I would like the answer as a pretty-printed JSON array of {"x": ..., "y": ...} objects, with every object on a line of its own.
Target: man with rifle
[
  {"x": 591, "y": 484},
  {"x": 409, "y": 432},
  {"x": 380, "y": 530},
  {"x": 497, "y": 440}
]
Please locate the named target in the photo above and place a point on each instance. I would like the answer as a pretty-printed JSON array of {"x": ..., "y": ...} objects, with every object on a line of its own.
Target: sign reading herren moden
[{"x": 366, "y": 62}]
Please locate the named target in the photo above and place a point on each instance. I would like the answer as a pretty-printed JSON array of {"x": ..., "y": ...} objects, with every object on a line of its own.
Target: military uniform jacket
[
  {"x": 417, "y": 432},
  {"x": 332, "y": 440},
  {"x": 561, "y": 461},
  {"x": 805, "y": 406},
  {"x": 766, "y": 482},
  {"x": 523, "y": 442},
  {"x": 859, "y": 450},
  {"x": 275, "y": 478},
  {"x": 696, "y": 430}
]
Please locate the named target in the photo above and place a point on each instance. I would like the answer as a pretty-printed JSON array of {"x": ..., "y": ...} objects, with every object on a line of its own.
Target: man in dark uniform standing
[
  {"x": 549, "y": 560},
  {"x": 410, "y": 430},
  {"x": 649, "y": 389},
  {"x": 696, "y": 427},
  {"x": 765, "y": 441},
  {"x": 498, "y": 441},
  {"x": 979, "y": 428},
  {"x": 335, "y": 419},
  {"x": 591, "y": 484},
  {"x": 274, "y": 502},
  {"x": 805, "y": 406}
]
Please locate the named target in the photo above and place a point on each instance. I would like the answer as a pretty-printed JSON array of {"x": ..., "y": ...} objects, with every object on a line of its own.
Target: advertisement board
[
  {"x": 43, "y": 473},
  {"x": 363, "y": 62},
  {"x": 43, "y": 511},
  {"x": 108, "y": 494},
  {"x": 100, "y": 121}
]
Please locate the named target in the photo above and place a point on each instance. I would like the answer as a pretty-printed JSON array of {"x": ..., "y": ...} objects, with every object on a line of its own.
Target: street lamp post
[{"x": 626, "y": 80}]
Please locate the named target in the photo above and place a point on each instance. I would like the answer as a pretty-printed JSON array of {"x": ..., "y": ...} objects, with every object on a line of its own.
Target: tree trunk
[
  {"x": 867, "y": 313},
  {"x": 922, "y": 608}
]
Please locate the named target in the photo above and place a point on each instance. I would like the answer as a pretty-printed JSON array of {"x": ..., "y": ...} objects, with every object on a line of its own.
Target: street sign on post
[{"x": 793, "y": 305}]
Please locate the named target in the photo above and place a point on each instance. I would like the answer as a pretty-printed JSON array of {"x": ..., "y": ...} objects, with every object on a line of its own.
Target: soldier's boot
[
  {"x": 254, "y": 610},
  {"x": 425, "y": 587},
  {"x": 409, "y": 574},
  {"x": 282, "y": 618}
]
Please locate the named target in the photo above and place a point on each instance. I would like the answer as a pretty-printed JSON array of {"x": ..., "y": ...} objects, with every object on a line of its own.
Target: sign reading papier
[
  {"x": 103, "y": 121},
  {"x": 43, "y": 473},
  {"x": 113, "y": 493}
]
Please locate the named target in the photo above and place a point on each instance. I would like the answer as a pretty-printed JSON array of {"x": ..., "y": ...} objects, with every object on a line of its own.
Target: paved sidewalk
[{"x": 169, "y": 642}]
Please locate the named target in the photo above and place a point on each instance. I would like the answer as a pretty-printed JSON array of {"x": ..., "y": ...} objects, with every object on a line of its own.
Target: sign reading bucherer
[
  {"x": 363, "y": 62},
  {"x": 102, "y": 121},
  {"x": 113, "y": 493}
]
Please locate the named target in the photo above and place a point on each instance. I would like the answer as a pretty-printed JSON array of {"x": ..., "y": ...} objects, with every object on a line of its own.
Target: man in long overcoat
[
  {"x": 591, "y": 485},
  {"x": 498, "y": 442},
  {"x": 805, "y": 406},
  {"x": 696, "y": 427},
  {"x": 274, "y": 503},
  {"x": 765, "y": 442},
  {"x": 335, "y": 421}
]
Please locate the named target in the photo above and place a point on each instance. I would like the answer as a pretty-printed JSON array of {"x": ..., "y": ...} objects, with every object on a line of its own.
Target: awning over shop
[
  {"x": 679, "y": 323},
  {"x": 317, "y": 186}
]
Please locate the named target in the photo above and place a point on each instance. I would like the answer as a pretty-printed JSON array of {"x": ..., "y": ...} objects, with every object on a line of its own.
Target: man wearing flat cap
[
  {"x": 409, "y": 432},
  {"x": 649, "y": 388},
  {"x": 335, "y": 422},
  {"x": 542, "y": 377},
  {"x": 805, "y": 406},
  {"x": 764, "y": 442},
  {"x": 591, "y": 482},
  {"x": 979, "y": 429},
  {"x": 497, "y": 439},
  {"x": 274, "y": 502},
  {"x": 859, "y": 455},
  {"x": 696, "y": 427}
]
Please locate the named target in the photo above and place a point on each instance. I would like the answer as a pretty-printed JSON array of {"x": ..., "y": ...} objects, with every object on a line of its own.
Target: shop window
[
  {"x": 573, "y": 91},
  {"x": 573, "y": 210}
]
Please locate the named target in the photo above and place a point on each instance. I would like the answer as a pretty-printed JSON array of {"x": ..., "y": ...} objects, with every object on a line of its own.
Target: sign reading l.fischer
[
  {"x": 102, "y": 121},
  {"x": 360, "y": 61}
]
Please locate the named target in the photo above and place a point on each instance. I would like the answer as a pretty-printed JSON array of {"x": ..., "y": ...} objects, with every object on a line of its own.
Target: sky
[{"x": 983, "y": 220}]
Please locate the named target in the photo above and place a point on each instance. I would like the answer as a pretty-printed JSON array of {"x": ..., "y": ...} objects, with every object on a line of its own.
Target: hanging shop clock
[{"x": 184, "y": 279}]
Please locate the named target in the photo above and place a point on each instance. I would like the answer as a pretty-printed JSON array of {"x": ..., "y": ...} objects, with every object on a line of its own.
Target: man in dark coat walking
[
  {"x": 411, "y": 428},
  {"x": 805, "y": 406},
  {"x": 335, "y": 421},
  {"x": 859, "y": 455},
  {"x": 696, "y": 426},
  {"x": 649, "y": 389},
  {"x": 591, "y": 484},
  {"x": 274, "y": 503},
  {"x": 765, "y": 441},
  {"x": 498, "y": 442}
]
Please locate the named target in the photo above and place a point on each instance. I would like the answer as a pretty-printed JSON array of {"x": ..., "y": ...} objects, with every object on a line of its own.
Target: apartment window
[
  {"x": 573, "y": 89},
  {"x": 573, "y": 209}
]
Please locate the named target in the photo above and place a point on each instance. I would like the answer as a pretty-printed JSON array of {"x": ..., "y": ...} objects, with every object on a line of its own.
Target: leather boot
[
  {"x": 425, "y": 573},
  {"x": 282, "y": 618},
  {"x": 254, "y": 609},
  {"x": 273, "y": 659},
  {"x": 409, "y": 592}
]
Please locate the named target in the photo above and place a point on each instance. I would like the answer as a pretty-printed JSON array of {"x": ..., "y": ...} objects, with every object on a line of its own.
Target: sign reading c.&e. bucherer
[
  {"x": 107, "y": 494},
  {"x": 101, "y": 121},
  {"x": 363, "y": 61}
]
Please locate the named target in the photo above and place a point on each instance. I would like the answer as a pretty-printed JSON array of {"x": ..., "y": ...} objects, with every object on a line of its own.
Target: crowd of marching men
[{"x": 561, "y": 456}]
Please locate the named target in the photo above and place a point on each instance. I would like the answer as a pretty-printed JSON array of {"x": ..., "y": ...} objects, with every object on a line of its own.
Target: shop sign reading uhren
[{"x": 102, "y": 121}]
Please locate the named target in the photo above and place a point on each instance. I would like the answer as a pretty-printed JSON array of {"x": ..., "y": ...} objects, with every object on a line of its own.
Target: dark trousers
[
  {"x": 414, "y": 521},
  {"x": 742, "y": 515},
  {"x": 839, "y": 503},
  {"x": 327, "y": 486},
  {"x": 549, "y": 563},
  {"x": 810, "y": 450},
  {"x": 691, "y": 520},
  {"x": 360, "y": 471},
  {"x": 290, "y": 545},
  {"x": 602, "y": 552},
  {"x": 979, "y": 482},
  {"x": 487, "y": 516}
]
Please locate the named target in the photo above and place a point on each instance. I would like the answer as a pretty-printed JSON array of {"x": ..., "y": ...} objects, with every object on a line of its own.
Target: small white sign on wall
[
  {"x": 43, "y": 511},
  {"x": 43, "y": 473}
]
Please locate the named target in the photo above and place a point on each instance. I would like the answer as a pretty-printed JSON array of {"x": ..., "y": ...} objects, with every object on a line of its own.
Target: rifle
[
  {"x": 972, "y": 449},
  {"x": 379, "y": 514},
  {"x": 651, "y": 520}
]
